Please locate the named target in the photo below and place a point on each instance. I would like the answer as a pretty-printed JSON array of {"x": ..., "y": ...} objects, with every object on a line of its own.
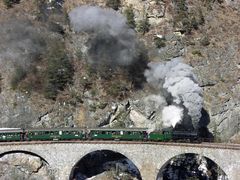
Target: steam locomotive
[{"x": 128, "y": 134}]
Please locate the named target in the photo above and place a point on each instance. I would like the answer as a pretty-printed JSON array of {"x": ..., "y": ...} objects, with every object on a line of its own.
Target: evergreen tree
[
  {"x": 130, "y": 17},
  {"x": 59, "y": 71}
]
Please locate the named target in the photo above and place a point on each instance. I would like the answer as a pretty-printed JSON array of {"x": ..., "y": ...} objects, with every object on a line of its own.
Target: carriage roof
[
  {"x": 117, "y": 129},
  {"x": 55, "y": 129},
  {"x": 10, "y": 130}
]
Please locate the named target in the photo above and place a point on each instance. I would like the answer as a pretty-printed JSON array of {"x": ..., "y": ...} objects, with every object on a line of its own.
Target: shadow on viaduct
[{"x": 149, "y": 158}]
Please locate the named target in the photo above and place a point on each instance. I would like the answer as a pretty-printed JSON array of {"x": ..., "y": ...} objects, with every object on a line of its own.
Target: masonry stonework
[{"x": 149, "y": 158}]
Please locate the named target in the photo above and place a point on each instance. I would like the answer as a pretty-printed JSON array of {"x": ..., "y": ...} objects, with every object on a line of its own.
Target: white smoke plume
[
  {"x": 155, "y": 101},
  {"x": 177, "y": 83},
  {"x": 111, "y": 42},
  {"x": 21, "y": 43},
  {"x": 171, "y": 115}
]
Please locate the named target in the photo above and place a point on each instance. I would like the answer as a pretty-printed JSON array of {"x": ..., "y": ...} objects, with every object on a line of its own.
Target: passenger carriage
[{"x": 118, "y": 134}]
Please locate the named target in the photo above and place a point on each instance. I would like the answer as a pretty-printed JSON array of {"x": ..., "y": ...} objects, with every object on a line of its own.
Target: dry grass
[
  {"x": 81, "y": 117},
  {"x": 70, "y": 4},
  {"x": 25, "y": 8}
]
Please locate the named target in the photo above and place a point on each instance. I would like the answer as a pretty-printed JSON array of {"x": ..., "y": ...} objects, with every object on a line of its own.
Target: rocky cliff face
[
  {"x": 93, "y": 99},
  {"x": 217, "y": 68}
]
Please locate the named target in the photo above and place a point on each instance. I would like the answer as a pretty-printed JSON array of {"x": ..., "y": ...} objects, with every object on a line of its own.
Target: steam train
[{"x": 64, "y": 134}]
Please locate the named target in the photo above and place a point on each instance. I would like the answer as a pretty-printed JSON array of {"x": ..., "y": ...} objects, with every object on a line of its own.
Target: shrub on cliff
[
  {"x": 205, "y": 41},
  {"x": 144, "y": 25},
  {"x": 114, "y": 4},
  {"x": 160, "y": 42},
  {"x": 18, "y": 76},
  {"x": 9, "y": 3},
  {"x": 0, "y": 83}
]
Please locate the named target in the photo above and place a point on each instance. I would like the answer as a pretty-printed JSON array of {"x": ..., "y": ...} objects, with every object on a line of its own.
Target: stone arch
[
  {"x": 24, "y": 165},
  {"x": 160, "y": 175},
  {"x": 85, "y": 163},
  {"x": 24, "y": 152}
]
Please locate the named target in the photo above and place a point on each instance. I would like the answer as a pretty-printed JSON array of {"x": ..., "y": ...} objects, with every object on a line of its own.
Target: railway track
[{"x": 198, "y": 145}]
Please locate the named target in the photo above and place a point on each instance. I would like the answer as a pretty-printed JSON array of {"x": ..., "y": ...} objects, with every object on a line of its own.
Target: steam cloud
[
  {"x": 177, "y": 83},
  {"x": 20, "y": 44},
  {"x": 112, "y": 42},
  {"x": 171, "y": 115}
]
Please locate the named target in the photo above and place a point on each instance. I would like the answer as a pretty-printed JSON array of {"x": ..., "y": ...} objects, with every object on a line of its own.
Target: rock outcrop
[{"x": 108, "y": 175}]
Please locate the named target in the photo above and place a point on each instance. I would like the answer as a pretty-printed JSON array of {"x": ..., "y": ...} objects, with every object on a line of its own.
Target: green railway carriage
[
  {"x": 42, "y": 135},
  {"x": 160, "y": 136},
  {"x": 11, "y": 135},
  {"x": 73, "y": 134},
  {"x": 54, "y": 134},
  {"x": 118, "y": 134}
]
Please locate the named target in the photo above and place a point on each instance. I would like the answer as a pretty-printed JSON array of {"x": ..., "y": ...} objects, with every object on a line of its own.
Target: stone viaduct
[{"x": 148, "y": 157}]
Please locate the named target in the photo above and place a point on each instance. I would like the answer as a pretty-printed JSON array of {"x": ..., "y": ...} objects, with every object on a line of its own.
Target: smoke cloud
[
  {"x": 178, "y": 85},
  {"x": 112, "y": 42},
  {"x": 20, "y": 45},
  {"x": 171, "y": 115}
]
